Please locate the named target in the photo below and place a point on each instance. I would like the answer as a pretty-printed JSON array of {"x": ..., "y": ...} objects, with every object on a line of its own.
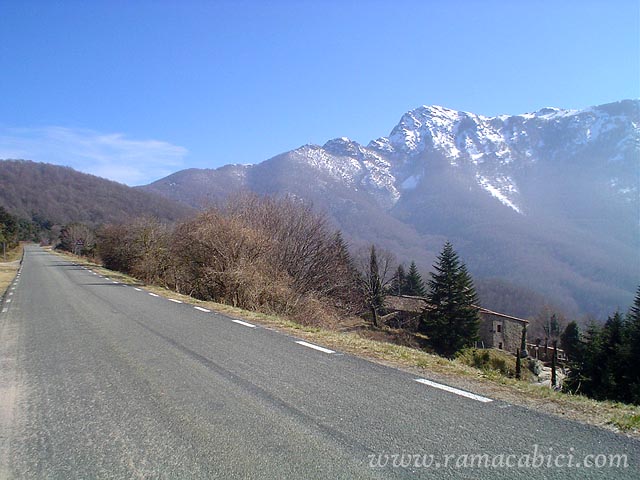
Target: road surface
[{"x": 104, "y": 380}]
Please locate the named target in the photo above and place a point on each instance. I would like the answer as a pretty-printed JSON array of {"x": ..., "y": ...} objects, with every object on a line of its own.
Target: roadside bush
[
  {"x": 491, "y": 360},
  {"x": 276, "y": 256}
]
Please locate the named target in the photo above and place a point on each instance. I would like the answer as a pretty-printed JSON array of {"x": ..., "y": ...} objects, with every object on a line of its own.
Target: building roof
[{"x": 408, "y": 303}]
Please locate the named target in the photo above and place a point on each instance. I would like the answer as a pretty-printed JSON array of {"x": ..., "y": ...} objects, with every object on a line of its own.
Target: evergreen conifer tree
[
  {"x": 570, "y": 341},
  {"x": 398, "y": 283},
  {"x": 451, "y": 321},
  {"x": 374, "y": 290},
  {"x": 414, "y": 285},
  {"x": 632, "y": 350}
]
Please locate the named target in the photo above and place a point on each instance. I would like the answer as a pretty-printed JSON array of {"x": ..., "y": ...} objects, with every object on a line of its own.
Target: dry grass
[
  {"x": 614, "y": 416},
  {"x": 8, "y": 269}
]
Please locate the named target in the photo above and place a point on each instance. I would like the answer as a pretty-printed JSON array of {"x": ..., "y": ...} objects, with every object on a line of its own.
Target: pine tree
[
  {"x": 600, "y": 366},
  {"x": 612, "y": 359},
  {"x": 451, "y": 321},
  {"x": 341, "y": 287},
  {"x": 414, "y": 285},
  {"x": 398, "y": 283},
  {"x": 631, "y": 350},
  {"x": 570, "y": 340},
  {"x": 373, "y": 287}
]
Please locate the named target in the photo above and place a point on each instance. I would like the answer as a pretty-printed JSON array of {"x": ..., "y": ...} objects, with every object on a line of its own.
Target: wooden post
[{"x": 554, "y": 359}]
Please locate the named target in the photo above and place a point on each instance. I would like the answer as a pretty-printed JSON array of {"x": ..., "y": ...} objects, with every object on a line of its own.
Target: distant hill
[
  {"x": 547, "y": 200},
  {"x": 62, "y": 195}
]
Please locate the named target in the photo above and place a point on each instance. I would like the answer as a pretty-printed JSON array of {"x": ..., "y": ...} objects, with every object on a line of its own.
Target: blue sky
[{"x": 134, "y": 90}]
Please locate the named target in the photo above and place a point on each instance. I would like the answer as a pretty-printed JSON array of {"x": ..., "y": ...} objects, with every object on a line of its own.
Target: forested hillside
[{"x": 49, "y": 194}]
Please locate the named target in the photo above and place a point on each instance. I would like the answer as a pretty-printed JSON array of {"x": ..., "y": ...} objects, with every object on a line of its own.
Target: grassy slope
[
  {"x": 8, "y": 270},
  {"x": 611, "y": 415}
]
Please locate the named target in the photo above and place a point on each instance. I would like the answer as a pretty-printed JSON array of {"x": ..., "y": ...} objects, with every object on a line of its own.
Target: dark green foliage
[
  {"x": 341, "y": 285},
  {"x": 551, "y": 327},
  {"x": 414, "y": 285},
  {"x": 570, "y": 340},
  {"x": 518, "y": 365},
  {"x": 452, "y": 320},
  {"x": 8, "y": 229},
  {"x": 604, "y": 363},
  {"x": 631, "y": 351}
]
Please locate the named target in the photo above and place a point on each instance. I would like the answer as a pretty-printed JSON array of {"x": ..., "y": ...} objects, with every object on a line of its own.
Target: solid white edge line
[
  {"x": 315, "y": 347},
  {"x": 240, "y": 322},
  {"x": 457, "y": 391},
  {"x": 153, "y": 294},
  {"x": 202, "y": 309},
  {"x": 174, "y": 300}
]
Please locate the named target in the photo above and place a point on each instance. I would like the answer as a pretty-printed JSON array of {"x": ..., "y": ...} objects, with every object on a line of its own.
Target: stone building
[
  {"x": 497, "y": 330},
  {"x": 500, "y": 331}
]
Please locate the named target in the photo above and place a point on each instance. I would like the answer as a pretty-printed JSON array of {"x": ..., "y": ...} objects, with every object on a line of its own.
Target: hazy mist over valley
[{"x": 547, "y": 200}]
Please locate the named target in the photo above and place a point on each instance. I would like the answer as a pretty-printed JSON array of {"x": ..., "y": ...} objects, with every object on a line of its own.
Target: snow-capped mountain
[
  {"x": 548, "y": 199},
  {"x": 497, "y": 151}
]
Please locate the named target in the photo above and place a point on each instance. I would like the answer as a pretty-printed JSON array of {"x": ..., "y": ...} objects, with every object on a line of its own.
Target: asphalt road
[{"x": 103, "y": 380}]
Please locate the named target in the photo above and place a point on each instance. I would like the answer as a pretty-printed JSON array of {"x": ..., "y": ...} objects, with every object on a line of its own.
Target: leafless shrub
[
  {"x": 259, "y": 253},
  {"x": 78, "y": 238}
]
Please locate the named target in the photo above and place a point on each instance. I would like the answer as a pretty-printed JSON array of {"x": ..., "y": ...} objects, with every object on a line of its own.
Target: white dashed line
[
  {"x": 240, "y": 322},
  {"x": 5, "y": 310},
  {"x": 174, "y": 300},
  {"x": 8, "y": 300},
  {"x": 10, "y": 293},
  {"x": 113, "y": 281},
  {"x": 202, "y": 309},
  {"x": 315, "y": 347},
  {"x": 137, "y": 289},
  {"x": 154, "y": 294},
  {"x": 457, "y": 391}
]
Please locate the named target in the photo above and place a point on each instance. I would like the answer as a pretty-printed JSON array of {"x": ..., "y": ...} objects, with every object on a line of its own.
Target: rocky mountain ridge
[{"x": 549, "y": 199}]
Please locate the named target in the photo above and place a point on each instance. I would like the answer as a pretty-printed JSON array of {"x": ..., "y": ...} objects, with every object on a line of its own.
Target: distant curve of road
[{"x": 104, "y": 380}]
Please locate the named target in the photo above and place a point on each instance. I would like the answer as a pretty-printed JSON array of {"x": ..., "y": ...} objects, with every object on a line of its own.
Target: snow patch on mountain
[
  {"x": 494, "y": 152},
  {"x": 501, "y": 188},
  {"x": 375, "y": 170},
  {"x": 342, "y": 168}
]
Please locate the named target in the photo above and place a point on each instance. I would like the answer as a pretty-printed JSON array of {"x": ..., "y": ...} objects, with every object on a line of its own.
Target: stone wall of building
[{"x": 500, "y": 331}]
